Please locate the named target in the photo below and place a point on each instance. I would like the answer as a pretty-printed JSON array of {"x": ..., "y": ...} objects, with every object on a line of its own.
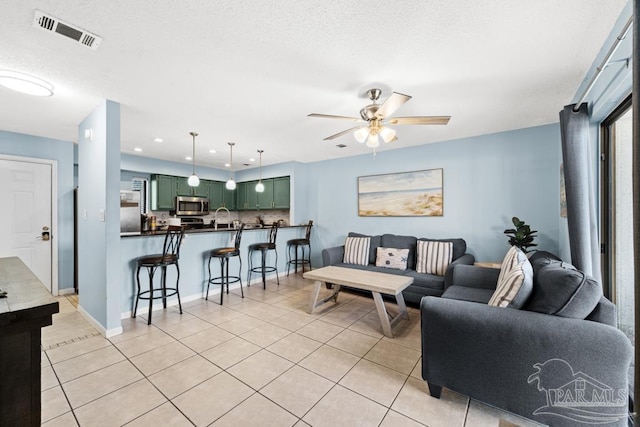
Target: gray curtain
[{"x": 579, "y": 188}]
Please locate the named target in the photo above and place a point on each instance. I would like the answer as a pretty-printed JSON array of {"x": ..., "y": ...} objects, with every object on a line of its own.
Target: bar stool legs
[{"x": 263, "y": 269}]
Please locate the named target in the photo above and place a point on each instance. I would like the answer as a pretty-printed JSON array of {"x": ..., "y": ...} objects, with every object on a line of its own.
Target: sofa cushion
[
  {"x": 459, "y": 246},
  {"x": 515, "y": 281},
  {"x": 356, "y": 250},
  {"x": 375, "y": 242},
  {"x": 561, "y": 289},
  {"x": 392, "y": 258},
  {"x": 401, "y": 242},
  {"x": 541, "y": 258},
  {"x": 468, "y": 294},
  {"x": 433, "y": 257},
  {"x": 421, "y": 280}
]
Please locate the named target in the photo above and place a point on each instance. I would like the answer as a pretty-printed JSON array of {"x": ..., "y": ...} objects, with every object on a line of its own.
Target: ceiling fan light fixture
[
  {"x": 373, "y": 141},
  {"x": 193, "y": 180},
  {"x": 361, "y": 134},
  {"x": 387, "y": 134}
]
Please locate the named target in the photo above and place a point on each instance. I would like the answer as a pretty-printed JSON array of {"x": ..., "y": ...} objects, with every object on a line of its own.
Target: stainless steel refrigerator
[{"x": 130, "y": 220}]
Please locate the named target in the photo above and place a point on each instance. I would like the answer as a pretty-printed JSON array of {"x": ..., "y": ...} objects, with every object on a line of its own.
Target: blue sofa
[
  {"x": 423, "y": 284},
  {"x": 558, "y": 360}
]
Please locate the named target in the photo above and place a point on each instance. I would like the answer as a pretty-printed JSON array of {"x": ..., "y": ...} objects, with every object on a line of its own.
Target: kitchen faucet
[{"x": 215, "y": 217}]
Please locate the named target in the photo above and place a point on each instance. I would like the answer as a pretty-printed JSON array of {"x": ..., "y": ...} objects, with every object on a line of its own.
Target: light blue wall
[
  {"x": 99, "y": 269},
  {"x": 487, "y": 180},
  {"x": 17, "y": 144}
]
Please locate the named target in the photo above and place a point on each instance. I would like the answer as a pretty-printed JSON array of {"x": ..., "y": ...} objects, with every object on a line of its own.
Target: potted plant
[{"x": 522, "y": 236}]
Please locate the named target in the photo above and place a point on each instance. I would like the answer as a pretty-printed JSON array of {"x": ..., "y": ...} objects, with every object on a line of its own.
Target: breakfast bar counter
[{"x": 194, "y": 255}]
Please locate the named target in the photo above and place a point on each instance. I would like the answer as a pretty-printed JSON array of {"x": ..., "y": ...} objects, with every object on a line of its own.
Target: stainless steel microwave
[{"x": 192, "y": 205}]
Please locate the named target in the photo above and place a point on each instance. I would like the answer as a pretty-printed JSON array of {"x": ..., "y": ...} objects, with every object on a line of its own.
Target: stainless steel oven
[{"x": 192, "y": 205}]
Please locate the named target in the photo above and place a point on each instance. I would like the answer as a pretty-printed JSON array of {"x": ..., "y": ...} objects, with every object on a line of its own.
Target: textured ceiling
[{"x": 251, "y": 71}]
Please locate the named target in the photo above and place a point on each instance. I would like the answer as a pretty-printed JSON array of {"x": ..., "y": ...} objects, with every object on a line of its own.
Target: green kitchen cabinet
[
  {"x": 216, "y": 195},
  {"x": 281, "y": 193},
  {"x": 202, "y": 190},
  {"x": 163, "y": 192},
  {"x": 230, "y": 197},
  {"x": 265, "y": 199},
  {"x": 183, "y": 187},
  {"x": 241, "y": 196}
]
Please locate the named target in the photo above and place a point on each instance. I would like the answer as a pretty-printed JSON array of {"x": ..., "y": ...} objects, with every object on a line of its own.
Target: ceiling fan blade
[
  {"x": 329, "y": 116},
  {"x": 395, "y": 101},
  {"x": 344, "y": 132},
  {"x": 419, "y": 120}
]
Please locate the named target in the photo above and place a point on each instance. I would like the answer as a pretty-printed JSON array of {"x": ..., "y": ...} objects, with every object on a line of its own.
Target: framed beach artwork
[{"x": 416, "y": 193}]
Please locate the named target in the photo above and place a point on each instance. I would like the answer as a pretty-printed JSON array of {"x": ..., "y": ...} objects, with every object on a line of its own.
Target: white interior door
[{"x": 25, "y": 219}]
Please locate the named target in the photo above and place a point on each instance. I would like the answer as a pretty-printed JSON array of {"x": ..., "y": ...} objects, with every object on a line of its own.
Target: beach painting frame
[{"x": 417, "y": 193}]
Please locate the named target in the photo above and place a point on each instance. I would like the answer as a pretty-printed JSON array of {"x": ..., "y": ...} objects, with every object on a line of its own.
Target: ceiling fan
[{"x": 376, "y": 116}]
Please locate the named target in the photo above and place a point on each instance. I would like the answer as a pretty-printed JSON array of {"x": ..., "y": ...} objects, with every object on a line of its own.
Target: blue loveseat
[
  {"x": 558, "y": 359},
  {"x": 423, "y": 284}
]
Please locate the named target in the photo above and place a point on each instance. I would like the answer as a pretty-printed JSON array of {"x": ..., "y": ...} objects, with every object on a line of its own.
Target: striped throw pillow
[
  {"x": 356, "y": 250},
  {"x": 515, "y": 282},
  {"x": 434, "y": 257}
]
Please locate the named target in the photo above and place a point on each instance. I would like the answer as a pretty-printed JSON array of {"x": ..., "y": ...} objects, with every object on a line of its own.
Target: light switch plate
[{"x": 101, "y": 215}]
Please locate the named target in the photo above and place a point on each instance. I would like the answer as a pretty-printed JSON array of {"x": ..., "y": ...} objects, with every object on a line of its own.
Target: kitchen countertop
[{"x": 204, "y": 230}]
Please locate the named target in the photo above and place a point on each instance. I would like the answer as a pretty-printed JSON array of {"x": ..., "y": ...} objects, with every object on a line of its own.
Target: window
[{"x": 617, "y": 214}]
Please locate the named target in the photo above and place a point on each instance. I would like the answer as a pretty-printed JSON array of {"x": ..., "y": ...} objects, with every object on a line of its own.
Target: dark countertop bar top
[{"x": 203, "y": 230}]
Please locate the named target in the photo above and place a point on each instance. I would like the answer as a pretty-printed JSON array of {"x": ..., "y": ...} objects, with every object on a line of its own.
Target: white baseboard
[
  {"x": 66, "y": 291},
  {"x": 107, "y": 333}
]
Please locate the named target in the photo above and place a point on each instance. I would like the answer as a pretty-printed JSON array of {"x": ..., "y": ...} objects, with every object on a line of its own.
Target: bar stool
[
  {"x": 263, "y": 248},
  {"x": 169, "y": 256},
  {"x": 300, "y": 243},
  {"x": 224, "y": 254}
]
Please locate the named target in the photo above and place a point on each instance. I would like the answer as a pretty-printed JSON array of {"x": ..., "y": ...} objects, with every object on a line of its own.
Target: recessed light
[
  {"x": 188, "y": 158},
  {"x": 252, "y": 159},
  {"x": 158, "y": 140},
  {"x": 25, "y": 83},
  {"x": 138, "y": 149},
  {"x": 226, "y": 165},
  {"x": 212, "y": 151}
]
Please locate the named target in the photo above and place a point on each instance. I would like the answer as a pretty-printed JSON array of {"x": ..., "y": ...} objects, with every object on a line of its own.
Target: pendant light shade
[
  {"x": 193, "y": 180},
  {"x": 260, "y": 185},
  {"x": 387, "y": 134},
  {"x": 231, "y": 184},
  {"x": 372, "y": 141}
]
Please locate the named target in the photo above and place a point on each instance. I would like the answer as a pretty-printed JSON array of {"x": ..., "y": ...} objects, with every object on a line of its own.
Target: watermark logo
[{"x": 577, "y": 396}]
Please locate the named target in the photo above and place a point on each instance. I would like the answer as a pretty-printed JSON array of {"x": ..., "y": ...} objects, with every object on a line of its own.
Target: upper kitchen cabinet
[
  {"x": 183, "y": 187},
  {"x": 281, "y": 192},
  {"x": 216, "y": 195},
  {"x": 163, "y": 192},
  {"x": 265, "y": 199},
  {"x": 229, "y": 197}
]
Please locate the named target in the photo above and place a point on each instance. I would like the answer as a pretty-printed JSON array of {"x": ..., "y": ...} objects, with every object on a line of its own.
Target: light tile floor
[{"x": 262, "y": 360}]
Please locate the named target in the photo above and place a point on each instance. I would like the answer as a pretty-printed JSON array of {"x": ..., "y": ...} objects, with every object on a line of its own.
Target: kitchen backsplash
[{"x": 249, "y": 217}]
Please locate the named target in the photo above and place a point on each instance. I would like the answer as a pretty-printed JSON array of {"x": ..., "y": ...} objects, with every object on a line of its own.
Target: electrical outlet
[{"x": 101, "y": 215}]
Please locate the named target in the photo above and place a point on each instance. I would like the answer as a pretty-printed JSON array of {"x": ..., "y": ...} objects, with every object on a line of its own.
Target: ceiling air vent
[{"x": 53, "y": 24}]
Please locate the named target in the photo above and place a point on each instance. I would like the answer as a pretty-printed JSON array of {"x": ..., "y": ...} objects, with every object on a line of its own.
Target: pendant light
[
  {"x": 193, "y": 180},
  {"x": 260, "y": 185},
  {"x": 231, "y": 184}
]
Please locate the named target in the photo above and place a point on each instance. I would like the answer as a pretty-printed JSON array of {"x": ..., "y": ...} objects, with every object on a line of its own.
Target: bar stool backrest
[
  {"x": 273, "y": 233},
  {"x": 307, "y": 232},
  {"x": 238, "y": 236},
  {"x": 172, "y": 241}
]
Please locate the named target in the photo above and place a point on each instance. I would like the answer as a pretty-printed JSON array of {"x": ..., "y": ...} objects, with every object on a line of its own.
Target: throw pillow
[
  {"x": 562, "y": 290},
  {"x": 515, "y": 284},
  {"x": 434, "y": 257},
  {"x": 392, "y": 258},
  {"x": 375, "y": 242},
  {"x": 356, "y": 250}
]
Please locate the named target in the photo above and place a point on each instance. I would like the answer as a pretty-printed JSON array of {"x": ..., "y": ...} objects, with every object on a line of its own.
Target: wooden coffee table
[{"x": 377, "y": 283}]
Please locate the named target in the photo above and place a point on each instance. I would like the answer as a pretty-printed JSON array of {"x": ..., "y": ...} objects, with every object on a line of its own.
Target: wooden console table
[{"x": 27, "y": 307}]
